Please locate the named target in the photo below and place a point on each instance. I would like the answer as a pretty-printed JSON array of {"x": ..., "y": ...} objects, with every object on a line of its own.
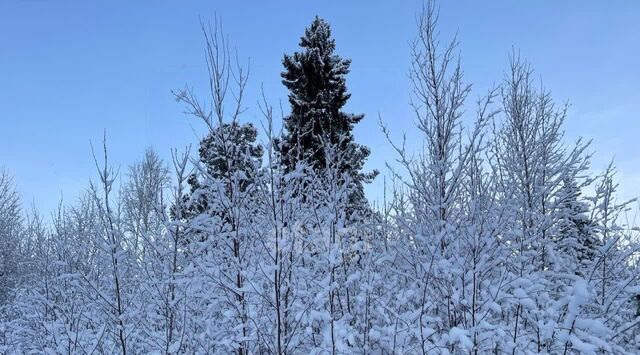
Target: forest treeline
[{"x": 492, "y": 238}]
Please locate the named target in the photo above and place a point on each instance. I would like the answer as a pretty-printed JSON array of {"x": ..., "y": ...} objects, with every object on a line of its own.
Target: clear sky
[{"x": 68, "y": 70}]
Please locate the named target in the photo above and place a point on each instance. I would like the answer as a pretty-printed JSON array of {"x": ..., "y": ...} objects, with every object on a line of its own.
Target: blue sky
[{"x": 69, "y": 70}]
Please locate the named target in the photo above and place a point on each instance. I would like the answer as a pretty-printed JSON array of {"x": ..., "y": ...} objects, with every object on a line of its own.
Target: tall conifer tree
[{"x": 316, "y": 79}]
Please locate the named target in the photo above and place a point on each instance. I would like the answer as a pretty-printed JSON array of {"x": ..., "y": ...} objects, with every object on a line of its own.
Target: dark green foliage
[
  {"x": 228, "y": 155},
  {"x": 316, "y": 79}
]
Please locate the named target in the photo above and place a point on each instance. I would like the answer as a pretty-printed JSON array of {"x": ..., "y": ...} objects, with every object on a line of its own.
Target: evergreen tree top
[
  {"x": 316, "y": 76},
  {"x": 316, "y": 79},
  {"x": 318, "y": 35}
]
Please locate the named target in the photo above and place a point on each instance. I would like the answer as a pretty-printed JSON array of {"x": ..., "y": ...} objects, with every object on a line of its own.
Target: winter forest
[{"x": 494, "y": 238}]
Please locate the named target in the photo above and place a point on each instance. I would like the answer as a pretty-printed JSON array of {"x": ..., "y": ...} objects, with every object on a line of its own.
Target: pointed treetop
[{"x": 318, "y": 35}]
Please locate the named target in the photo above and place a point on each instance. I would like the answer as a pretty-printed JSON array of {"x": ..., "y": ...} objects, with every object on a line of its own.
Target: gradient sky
[{"x": 69, "y": 70}]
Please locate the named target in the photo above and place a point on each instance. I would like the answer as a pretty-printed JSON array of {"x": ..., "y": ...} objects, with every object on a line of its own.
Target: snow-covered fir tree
[{"x": 316, "y": 79}]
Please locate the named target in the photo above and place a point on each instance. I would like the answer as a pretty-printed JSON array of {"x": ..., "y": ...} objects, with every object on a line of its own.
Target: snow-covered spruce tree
[
  {"x": 218, "y": 158},
  {"x": 223, "y": 206},
  {"x": 318, "y": 127},
  {"x": 316, "y": 79}
]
